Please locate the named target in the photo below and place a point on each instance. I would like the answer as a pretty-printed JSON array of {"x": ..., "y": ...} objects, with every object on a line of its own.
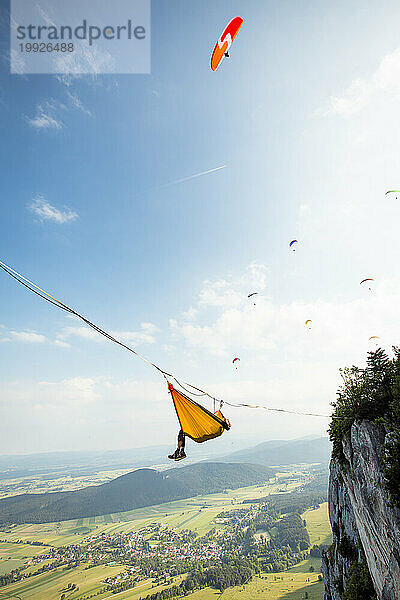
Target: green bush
[{"x": 359, "y": 584}]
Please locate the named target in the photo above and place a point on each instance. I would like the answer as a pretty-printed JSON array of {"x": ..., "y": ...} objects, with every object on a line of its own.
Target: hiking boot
[
  {"x": 181, "y": 455},
  {"x": 174, "y": 456}
]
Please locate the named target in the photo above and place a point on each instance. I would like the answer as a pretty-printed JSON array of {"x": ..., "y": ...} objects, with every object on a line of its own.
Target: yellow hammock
[{"x": 196, "y": 421}]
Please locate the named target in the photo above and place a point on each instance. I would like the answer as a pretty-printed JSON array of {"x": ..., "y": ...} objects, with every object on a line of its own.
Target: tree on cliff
[
  {"x": 359, "y": 584},
  {"x": 372, "y": 393}
]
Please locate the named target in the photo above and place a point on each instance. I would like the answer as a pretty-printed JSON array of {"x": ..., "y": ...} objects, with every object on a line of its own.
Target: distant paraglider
[
  {"x": 308, "y": 323},
  {"x": 392, "y": 192},
  {"x": 253, "y": 294},
  {"x": 225, "y": 41},
  {"x": 374, "y": 337},
  {"x": 235, "y": 361},
  {"x": 292, "y": 245},
  {"x": 366, "y": 280}
]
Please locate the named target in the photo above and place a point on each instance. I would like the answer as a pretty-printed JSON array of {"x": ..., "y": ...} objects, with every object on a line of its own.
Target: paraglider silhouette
[
  {"x": 225, "y": 41},
  {"x": 367, "y": 279},
  {"x": 292, "y": 245},
  {"x": 235, "y": 360},
  {"x": 253, "y": 294},
  {"x": 392, "y": 192}
]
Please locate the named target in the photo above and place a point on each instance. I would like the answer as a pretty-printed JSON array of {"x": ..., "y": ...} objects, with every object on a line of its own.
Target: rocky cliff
[{"x": 366, "y": 527}]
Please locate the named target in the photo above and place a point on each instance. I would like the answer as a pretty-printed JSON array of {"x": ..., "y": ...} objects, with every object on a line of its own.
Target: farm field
[
  {"x": 56, "y": 483},
  {"x": 318, "y": 525},
  {"x": 196, "y": 514},
  {"x": 276, "y": 586},
  {"x": 50, "y": 586}
]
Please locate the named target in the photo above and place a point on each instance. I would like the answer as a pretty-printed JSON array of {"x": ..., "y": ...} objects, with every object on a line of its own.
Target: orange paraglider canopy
[
  {"x": 196, "y": 422},
  {"x": 224, "y": 43}
]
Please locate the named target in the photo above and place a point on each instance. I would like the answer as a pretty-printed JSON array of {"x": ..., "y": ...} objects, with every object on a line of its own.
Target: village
[{"x": 269, "y": 535}]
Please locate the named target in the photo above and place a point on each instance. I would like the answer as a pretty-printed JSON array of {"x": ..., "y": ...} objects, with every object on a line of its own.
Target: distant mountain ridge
[
  {"x": 78, "y": 463},
  {"x": 143, "y": 487},
  {"x": 285, "y": 452}
]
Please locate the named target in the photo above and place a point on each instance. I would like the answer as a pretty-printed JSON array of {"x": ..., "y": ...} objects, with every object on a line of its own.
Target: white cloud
[
  {"x": 362, "y": 91},
  {"x": 45, "y": 117},
  {"x": 76, "y": 103},
  {"x": 339, "y": 330},
  {"x": 387, "y": 77},
  {"x": 89, "y": 60},
  {"x": 47, "y": 212},
  {"x": 136, "y": 338},
  {"x": 62, "y": 344},
  {"x": 17, "y": 61},
  {"x": 76, "y": 389},
  {"x": 30, "y": 337},
  {"x": 85, "y": 412},
  {"x": 190, "y": 314},
  {"x": 304, "y": 210},
  {"x": 47, "y": 113},
  {"x": 81, "y": 332},
  {"x": 352, "y": 100},
  {"x": 230, "y": 293}
]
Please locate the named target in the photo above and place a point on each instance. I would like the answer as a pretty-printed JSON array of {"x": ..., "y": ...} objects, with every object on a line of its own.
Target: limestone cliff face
[{"x": 363, "y": 520}]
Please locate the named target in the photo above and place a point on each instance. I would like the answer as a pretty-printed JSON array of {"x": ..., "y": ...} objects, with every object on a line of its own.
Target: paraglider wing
[
  {"x": 374, "y": 337},
  {"x": 392, "y": 192},
  {"x": 252, "y": 294},
  {"x": 225, "y": 41},
  {"x": 367, "y": 279},
  {"x": 235, "y": 359},
  {"x": 308, "y": 323},
  {"x": 292, "y": 242}
]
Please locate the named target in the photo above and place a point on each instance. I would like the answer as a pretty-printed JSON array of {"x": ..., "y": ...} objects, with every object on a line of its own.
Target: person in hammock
[
  {"x": 195, "y": 421},
  {"x": 179, "y": 453}
]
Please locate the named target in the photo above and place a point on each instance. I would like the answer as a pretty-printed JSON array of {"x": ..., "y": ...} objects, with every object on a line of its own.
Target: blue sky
[{"x": 304, "y": 117}]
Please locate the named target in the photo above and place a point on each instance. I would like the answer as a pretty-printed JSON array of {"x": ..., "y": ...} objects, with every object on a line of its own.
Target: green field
[
  {"x": 196, "y": 514},
  {"x": 276, "y": 586},
  {"x": 318, "y": 525},
  {"x": 192, "y": 513}
]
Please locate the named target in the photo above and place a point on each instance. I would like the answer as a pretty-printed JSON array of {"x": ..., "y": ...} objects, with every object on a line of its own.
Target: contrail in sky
[{"x": 193, "y": 176}]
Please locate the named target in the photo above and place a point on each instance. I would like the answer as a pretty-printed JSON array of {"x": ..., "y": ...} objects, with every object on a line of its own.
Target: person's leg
[
  {"x": 181, "y": 440},
  {"x": 180, "y": 450},
  {"x": 181, "y": 444}
]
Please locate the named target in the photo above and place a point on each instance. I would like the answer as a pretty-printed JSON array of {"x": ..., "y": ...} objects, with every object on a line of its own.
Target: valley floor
[{"x": 198, "y": 515}]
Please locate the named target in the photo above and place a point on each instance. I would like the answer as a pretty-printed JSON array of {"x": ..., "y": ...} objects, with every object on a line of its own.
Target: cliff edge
[{"x": 364, "y": 559}]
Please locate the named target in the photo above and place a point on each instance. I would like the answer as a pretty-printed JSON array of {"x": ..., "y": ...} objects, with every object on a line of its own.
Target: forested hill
[{"x": 142, "y": 487}]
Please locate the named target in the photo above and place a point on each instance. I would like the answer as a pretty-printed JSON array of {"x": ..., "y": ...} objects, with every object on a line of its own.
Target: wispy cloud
[
  {"x": 24, "y": 336},
  {"x": 47, "y": 212},
  {"x": 76, "y": 103},
  {"x": 62, "y": 344},
  {"x": 47, "y": 113},
  {"x": 361, "y": 91},
  {"x": 28, "y": 336},
  {"x": 230, "y": 293},
  {"x": 84, "y": 60},
  {"x": 340, "y": 330},
  {"x": 176, "y": 181},
  {"x": 45, "y": 117}
]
